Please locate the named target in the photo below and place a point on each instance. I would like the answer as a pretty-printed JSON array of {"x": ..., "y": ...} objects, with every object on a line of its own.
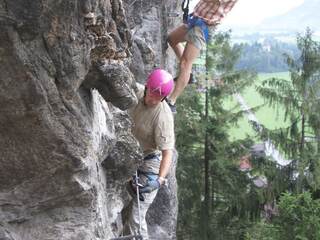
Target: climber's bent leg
[{"x": 176, "y": 37}]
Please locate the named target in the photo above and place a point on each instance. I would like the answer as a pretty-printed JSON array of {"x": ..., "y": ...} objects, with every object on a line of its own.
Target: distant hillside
[
  {"x": 297, "y": 19},
  {"x": 266, "y": 56}
]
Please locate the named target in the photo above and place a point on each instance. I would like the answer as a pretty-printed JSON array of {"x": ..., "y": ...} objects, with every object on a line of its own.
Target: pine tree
[
  {"x": 300, "y": 100},
  {"x": 209, "y": 182}
]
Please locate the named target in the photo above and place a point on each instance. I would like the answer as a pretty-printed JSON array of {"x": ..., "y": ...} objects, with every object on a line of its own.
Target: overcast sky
[{"x": 251, "y": 12}]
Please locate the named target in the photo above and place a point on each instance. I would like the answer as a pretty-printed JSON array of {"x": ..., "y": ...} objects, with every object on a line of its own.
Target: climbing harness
[
  {"x": 185, "y": 9},
  {"x": 151, "y": 156},
  {"x": 134, "y": 237},
  {"x": 149, "y": 175}
]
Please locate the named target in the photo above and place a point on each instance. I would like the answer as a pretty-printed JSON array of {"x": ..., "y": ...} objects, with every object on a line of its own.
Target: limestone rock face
[
  {"x": 150, "y": 22},
  {"x": 68, "y": 72}
]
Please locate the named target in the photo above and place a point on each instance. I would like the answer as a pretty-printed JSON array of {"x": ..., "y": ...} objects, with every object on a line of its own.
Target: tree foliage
[
  {"x": 300, "y": 99},
  {"x": 298, "y": 214},
  {"x": 213, "y": 199},
  {"x": 265, "y": 56},
  {"x": 299, "y": 219},
  {"x": 216, "y": 200}
]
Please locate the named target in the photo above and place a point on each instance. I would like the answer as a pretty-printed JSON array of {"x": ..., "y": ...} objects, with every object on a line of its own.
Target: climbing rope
[
  {"x": 138, "y": 199},
  {"x": 134, "y": 237}
]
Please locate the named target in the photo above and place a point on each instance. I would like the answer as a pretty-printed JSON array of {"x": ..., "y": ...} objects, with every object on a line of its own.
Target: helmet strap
[{"x": 145, "y": 91}]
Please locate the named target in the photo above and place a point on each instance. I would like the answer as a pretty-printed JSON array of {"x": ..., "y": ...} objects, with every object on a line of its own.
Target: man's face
[{"x": 152, "y": 99}]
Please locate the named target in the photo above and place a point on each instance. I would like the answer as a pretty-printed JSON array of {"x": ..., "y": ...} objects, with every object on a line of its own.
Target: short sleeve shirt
[
  {"x": 152, "y": 126},
  {"x": 212, "y": 11}
]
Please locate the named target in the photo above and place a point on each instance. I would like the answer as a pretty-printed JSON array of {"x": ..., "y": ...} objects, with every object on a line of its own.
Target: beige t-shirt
[{"x": 152, "y": 126}]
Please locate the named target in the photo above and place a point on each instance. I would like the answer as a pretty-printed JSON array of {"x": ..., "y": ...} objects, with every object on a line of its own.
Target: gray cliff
[{"x": 68, "y": 73}]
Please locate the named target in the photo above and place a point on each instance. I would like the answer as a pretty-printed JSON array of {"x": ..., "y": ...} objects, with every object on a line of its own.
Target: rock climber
[
  {"x": 153, "y": 127},
  {"x": 194, "y": 31}
]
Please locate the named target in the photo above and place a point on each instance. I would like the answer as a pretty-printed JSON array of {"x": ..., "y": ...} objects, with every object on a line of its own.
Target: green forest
[
  {"x": 265, "y": 56},
  {"x": 218, "y": 197}
]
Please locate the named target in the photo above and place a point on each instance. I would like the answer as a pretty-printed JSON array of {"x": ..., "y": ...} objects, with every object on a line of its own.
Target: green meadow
[{"x": 268, "y": 116}]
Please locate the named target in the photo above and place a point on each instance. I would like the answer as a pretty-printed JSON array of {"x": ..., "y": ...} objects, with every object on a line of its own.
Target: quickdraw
[{"x": 185, "y": 10}]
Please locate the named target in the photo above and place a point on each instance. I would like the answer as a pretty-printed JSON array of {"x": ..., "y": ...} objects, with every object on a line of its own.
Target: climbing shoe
[
  {"x": 171, "y": 106},
  {"x": 192, "y": 79}
]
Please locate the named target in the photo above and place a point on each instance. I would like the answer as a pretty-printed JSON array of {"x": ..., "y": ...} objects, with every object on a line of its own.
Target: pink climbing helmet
[{"x": 160, "y": 82}]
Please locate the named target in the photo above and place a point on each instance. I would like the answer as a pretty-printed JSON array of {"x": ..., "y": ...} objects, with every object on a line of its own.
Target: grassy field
[{"x": 268, "y": 116}]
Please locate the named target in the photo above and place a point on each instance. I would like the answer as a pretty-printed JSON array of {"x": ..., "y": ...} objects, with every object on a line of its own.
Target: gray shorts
[{"x": 196, "y": 37}]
